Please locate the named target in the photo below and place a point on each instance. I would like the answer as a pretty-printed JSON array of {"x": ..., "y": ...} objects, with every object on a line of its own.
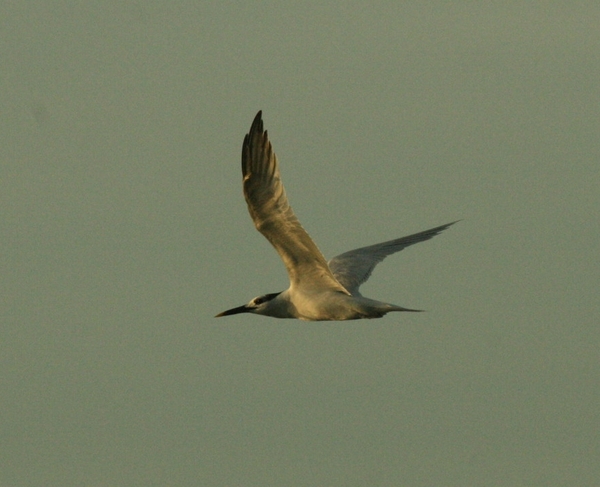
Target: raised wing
[
  {"x": 353, "y": 268},
  {"x": 275, "y": 219}
]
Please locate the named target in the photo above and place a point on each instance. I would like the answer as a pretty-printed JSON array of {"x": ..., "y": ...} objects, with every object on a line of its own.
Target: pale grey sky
[{"x": 125, "y": 231}]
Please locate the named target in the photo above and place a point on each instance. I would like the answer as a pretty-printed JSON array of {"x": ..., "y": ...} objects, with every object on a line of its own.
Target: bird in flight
[{"x": 319, "y": 290}]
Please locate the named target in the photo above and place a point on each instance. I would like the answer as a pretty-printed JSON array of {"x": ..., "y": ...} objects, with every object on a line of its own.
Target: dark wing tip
[
  {"x": 441, "y": 228},
  {"x": 257, "y": 134},
  {"x": 257, "y": 124},
  {"x": 250, "y": 141}
]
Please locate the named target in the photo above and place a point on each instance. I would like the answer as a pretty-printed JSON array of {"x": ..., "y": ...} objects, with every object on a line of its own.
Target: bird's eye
[{"x": 259, "y": 300}]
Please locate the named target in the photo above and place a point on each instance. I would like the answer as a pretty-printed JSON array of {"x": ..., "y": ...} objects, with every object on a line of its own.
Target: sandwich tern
[{"x": 319, "y": 291}]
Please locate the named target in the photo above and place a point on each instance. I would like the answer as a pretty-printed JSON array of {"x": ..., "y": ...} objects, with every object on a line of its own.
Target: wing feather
[
  {"x": 353, "y": 268},
  {"x": 274, "y": 218}
]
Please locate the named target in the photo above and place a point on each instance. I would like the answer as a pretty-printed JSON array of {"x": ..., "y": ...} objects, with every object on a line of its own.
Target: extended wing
[
  {"x": 274, "y": 217},
  {"x": 353, "y": 268}
]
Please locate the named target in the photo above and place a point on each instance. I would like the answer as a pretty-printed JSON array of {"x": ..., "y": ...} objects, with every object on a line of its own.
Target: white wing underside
[
  {"x": 353, "y": 268},
  {"x": 275, "y": 219}
]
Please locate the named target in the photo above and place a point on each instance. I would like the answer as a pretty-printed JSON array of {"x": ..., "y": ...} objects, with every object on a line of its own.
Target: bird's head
[{"x": 257, "y": 305}]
